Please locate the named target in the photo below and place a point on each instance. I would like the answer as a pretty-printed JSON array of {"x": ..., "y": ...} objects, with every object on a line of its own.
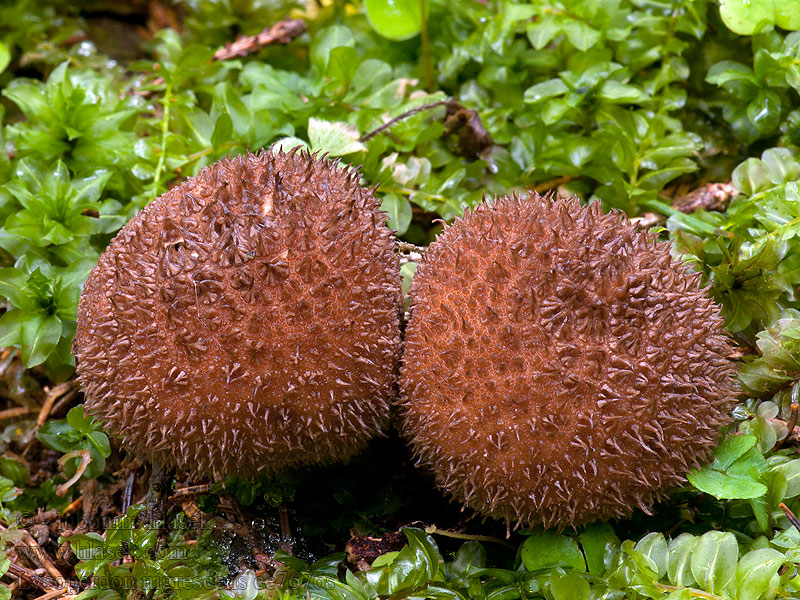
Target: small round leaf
[
  {"x": 551, "y": 550},
  {"x": 394, "y": 19}
]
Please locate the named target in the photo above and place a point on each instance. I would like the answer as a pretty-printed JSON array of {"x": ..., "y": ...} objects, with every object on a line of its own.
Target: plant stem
[
  {"x": 426, "y": 48},
  {"x": 166, "y": 101},
  {"x": 433, "y": 530},
  {"x": 692, "y": 591}
]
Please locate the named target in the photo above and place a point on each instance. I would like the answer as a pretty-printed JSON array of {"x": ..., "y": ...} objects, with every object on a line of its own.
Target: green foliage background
[{"x": 617, "y": 101}]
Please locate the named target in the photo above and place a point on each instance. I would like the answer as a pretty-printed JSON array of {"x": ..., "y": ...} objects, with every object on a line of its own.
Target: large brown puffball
[
  {"x": 247, "y": 320},
  {"x": 559, "y": 366}
]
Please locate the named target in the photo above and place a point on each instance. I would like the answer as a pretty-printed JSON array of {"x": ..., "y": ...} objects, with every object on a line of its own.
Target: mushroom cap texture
[
  {"x": 246, "y": 321},
  {"x": 559, "y": 366}
]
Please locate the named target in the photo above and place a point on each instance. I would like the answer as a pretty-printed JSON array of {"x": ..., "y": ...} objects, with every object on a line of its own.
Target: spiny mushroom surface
[
  {"x": 247, "y": 320},
  {"x": 559, "y": 366}
]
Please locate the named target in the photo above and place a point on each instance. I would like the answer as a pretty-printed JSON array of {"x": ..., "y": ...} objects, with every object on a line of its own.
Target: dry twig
[
  {"x": 32, "y": 578},
  {"x": 282, "y": 32},
  {"x": 13, "y": 413},
  {"x": 62, "y": 389}
]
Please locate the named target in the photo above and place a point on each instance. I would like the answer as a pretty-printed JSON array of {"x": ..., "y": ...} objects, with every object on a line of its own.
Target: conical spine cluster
[
  {"x": 559, "y": 366},
  {"x": 247, "y": 320}
]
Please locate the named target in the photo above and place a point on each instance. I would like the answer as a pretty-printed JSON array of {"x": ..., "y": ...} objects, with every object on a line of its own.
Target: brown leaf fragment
[
  {"x": 362, "y": 550},
  {"x": 473, "y": 138},
  {"x": 712, "y": 196}
]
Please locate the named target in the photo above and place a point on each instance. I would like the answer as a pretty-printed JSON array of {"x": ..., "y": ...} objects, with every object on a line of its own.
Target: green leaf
[
  {"x": 90, "y": 548},
  {"x": 725, "y": 485},
  {"x": 731, "y": 449},
  {"x": 735, "y": 77},
  {"x": 100, "y": 443},
  {"x": 787, "y": 14},
  {"x": 398, "y": 209},
  {"x": 599, "y": 542},
  {"x": 30, "y": 99},
  {"x": 550, "y": 549},
  {"x": 325, "y": 41},
  {"x": 341, "y": 68},
  {"x": 223, "y": 130},
  {"x": 423, "y": 543},
  {"x": 544, "y": 90},
  {"x": 679, "y": 554},
  {"x": 59, "y": 435},
  {"x": 394, "y": 19},
  {"x": 621, "y": 93},
  {"x": 79, "y": 420},
  {"x": 764, "y": 111},
  {"x": 5, "y": 57},
  {"x": 470, "y": 557},
  {"x": 714, "y": 560},
  {"x": 239, "y": 114},
  {"x": 88, "y": 189},
  {"x": 542, "y": 33},
  {"x": 335, "y": 138},
  {"x": 735, "y": 471},
  {"x": 289, "y": 143},
  {"x": 750, "y": 177},
  {"x": 781, "y": 165},
  {"x": 14, "y": 287},
  {"x": 38, "y": 337},
  {"x": 569, "y": 586},
  {"x": 580, "y": 34},
  {"x": 791, "y": 472},
  {"x": 11, "y": 326},
  {"x": 653, "y": 548},
  {"x": 754, "y": 572},
  {"x": 745, "y": 17}
]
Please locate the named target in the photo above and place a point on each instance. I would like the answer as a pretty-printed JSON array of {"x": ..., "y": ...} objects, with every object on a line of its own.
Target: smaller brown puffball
[{"x": 559, "y": 366}]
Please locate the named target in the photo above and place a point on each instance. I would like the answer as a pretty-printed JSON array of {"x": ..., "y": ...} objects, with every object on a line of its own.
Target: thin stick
[
  {"x": 31, "y": 577},
  {"x": 400, "y": 117},
  {"x": 40, "y": 556},
  {"x": 790, "y": 425},
  {"x": 286, "y": 531},
  {"x": 433, "y": 530},
  {"x": 793, "y": 418},
  {"x": 407, "y": 247},
  {"x": 74, "y": 506},
  {"x": 191, "y": 490},
  {"x": 13, "y": 413},
  {"x": 790, "y": 515},
  {"x": 282, "y": 32},
  {"x": 547, "y": 185},
  {"x": 54, "y": 394},
  {"x": 40, "y": 517},
  {"x": 51, "y": 595}
]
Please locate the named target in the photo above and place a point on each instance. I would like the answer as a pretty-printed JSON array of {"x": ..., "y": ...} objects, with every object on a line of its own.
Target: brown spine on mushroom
[
  {"x": 247, "y": 320},
  {"x": 559, "y": 366}
]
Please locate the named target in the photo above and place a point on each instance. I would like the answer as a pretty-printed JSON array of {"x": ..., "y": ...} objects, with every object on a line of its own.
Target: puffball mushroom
[
  {"x": 559, "y": 366},
  {"x": 246, "y": 321}
]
